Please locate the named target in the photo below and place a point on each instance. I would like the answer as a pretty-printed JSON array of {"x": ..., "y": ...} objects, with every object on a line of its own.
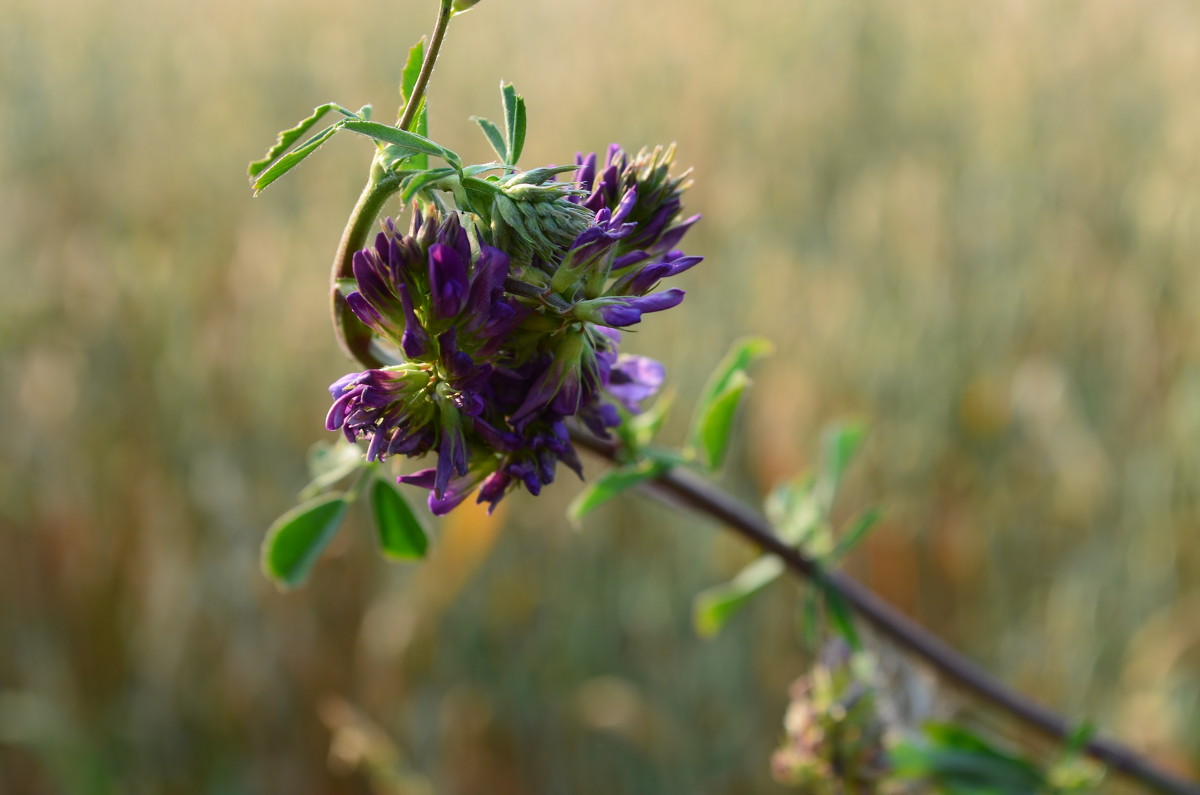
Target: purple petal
[
  {"x": 672, "y": 236},
  {"x": 447, "y": 280},
  {"x": 415, "y": 340}
]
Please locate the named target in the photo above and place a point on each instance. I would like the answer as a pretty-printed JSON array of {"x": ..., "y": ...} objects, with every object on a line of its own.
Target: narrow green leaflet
[
  {"x": 408, "y": 81},
  {"x": 421, "y": 180},
  {"x": 460, "y": 6},
  {"x": 743, "y": 354},
  {"x": 400, "y": 534},
  {"x": 292, "y": 159},
  {"x": 403, "y": 139},
  {"x": 713, "y": 607},
  {"x": 298, "y": 538},
  {"x": 494, "y": 136},
  {"x": 612, "y": 483},
  {"x": 708, "y": 425},
  {"x": 288, "y": 137},
  {"x": 640, "y": 429},
  {"x": 794, "y": 512},
  {"x": 514, "y": 123},
  {"x": 959, "y": 761},
  {"x": 839, "y": 444},
  {"x": 841, "y": 616},
  {"x": 714, "y": 426},
  {"x": 858, "y": 531}
]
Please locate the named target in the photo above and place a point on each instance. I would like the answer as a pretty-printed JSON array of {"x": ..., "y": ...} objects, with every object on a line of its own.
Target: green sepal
[
  {"x": 612, "y": 483},
  {"x": 296, "y": 540},
  {"x": 400, "y": 534},
  {"x": 288, "y": 137},
  {"x": 713, "y": 607}
]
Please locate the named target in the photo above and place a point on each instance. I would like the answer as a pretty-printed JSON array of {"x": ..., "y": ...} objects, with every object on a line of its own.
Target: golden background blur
[{"x": 974, "y": 226}]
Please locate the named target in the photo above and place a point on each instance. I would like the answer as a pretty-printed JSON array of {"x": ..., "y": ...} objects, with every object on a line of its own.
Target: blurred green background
[{"x": 974, "y": 226}]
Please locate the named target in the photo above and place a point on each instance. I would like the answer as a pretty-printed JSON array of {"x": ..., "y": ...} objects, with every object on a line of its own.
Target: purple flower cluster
[{"x": 498, "y": 348}]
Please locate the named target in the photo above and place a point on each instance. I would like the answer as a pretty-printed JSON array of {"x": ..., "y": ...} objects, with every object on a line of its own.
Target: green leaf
[
  {"x": 494, "y": 136},
  {"x": 732, "y": 368},
  {"x": 330, "y": 462},
  {"x": 400, "y": 534},
  {"x": 854, "y": 536},
  {"x": 403, "y": 139},
  {"x": 841, "y": 616},
  {"x": 292, "y": 159},
  {"x": 962, "y": 762},
  {"x": 713, "y": 607},
  {"x": 715, "y": 424},
  {"x": 297, "y": 539},
  {"x": 612, "y": 483},
  {"x": 645, "y": 426},
  {"x": 461, "y": 6},
  {"x": 408, "y": 81},
  {"x": 514, "y": 123},
  {"x": 839, "y": 443},
  {"x": 288, "y": 137},
  {"x": 421, "y": 180},
  {"x": 794, "y": 512}
]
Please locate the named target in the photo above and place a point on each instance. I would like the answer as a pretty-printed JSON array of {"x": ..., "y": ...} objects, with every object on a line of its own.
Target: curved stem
[
  {"x": 435, "y": 46},
  {"x": 684, "y": 488},
  {"x": 353, "y": 337}
]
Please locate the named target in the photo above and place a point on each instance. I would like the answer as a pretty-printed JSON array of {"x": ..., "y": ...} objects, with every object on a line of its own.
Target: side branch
[{"x": 684, "y": 488}]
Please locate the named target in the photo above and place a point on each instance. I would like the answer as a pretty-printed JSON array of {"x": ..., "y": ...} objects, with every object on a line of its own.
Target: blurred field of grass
[{"x": 975, "y": 226}]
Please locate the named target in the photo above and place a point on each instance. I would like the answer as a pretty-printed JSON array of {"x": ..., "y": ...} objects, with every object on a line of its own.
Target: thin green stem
[
  {"x": 352, "y": 335},
  {"x": 431, "y": 55}
]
